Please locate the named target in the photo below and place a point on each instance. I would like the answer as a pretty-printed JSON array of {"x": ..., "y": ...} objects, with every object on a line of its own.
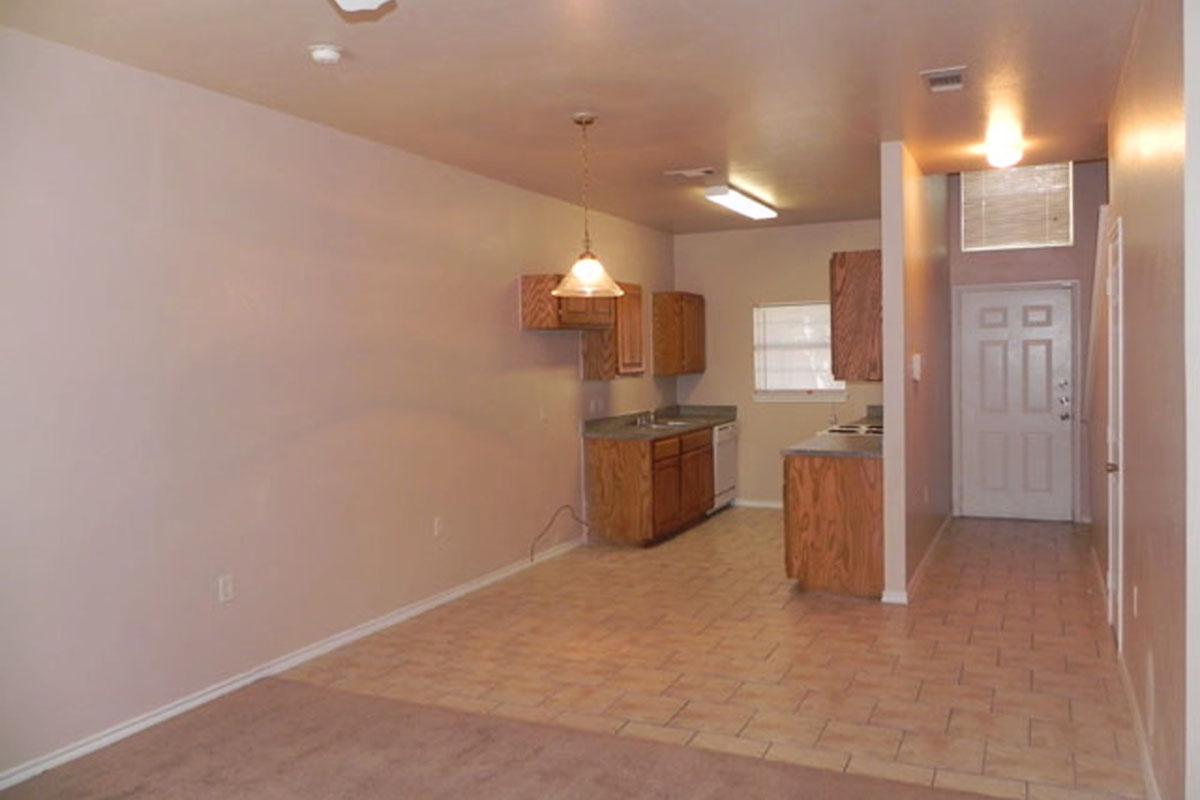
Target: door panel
[{"x": 1016, "y": 403}]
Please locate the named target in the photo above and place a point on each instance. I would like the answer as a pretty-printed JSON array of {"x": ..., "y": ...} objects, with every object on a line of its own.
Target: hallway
[{"x": 999, "y": 678}]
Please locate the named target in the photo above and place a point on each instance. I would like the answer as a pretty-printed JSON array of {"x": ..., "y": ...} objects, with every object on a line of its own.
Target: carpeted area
[{"x": 282, "y": 739}]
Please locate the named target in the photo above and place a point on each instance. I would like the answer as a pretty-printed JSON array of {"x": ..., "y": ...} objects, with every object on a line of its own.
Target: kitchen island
[{"x": 833, "y": 512}]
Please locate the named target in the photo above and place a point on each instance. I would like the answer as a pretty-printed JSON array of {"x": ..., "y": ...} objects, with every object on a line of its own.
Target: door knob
[
  {"x": 1110, "y": 467},
  {"x": 1065, "y": 415}
]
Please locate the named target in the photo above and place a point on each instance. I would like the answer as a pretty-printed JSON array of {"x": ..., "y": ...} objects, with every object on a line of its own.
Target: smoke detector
[
  {"x": 692, "y": 173},
  {"x": 353, "y": 6},
  {"x": 944, "y": 79}
]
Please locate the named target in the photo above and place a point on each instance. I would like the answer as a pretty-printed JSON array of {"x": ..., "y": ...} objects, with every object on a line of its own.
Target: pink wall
[
  {"x": 235, "y": 341},
  {"x": 1146, "y": 157},
  {"x": 927, "y": 326}
]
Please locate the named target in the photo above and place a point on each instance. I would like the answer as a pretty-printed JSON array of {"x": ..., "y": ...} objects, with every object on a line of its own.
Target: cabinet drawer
[
  {"x": 666, "y": 448},
  {"x": 696, "y": 439}
]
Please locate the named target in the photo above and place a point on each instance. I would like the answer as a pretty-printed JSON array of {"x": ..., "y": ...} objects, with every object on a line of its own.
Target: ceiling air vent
[{"x": 946, "y": 79}]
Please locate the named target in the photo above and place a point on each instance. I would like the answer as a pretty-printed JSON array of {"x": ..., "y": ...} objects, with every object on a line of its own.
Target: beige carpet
[{"x": 281, "y": 739}]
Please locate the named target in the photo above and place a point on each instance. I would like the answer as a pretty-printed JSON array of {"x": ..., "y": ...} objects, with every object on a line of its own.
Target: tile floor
[{"x": 999, "y": 678}]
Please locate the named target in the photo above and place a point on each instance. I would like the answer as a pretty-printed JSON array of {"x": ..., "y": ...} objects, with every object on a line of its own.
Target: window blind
[
  {"x": 1019, "y": 207},
  {"x": 792, "y": 349}
]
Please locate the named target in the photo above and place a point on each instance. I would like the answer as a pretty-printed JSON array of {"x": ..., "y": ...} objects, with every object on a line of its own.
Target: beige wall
[
  {"x": 1146, "y": 184},
  {"x": 234, "y": 341},
  {"x": 734, "y": 270},
  {"x": 927, "y": 331}
]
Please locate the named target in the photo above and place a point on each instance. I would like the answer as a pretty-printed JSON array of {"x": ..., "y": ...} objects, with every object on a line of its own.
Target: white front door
[{"x": 1016, "y": 402}]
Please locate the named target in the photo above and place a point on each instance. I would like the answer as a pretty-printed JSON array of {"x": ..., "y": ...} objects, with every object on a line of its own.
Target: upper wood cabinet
[
  {"x": 618, "y": 350},
  {"x": 679, "y": 347},
  {"x": 542, "y": 311},
  {"x": 856, "y": 305}
]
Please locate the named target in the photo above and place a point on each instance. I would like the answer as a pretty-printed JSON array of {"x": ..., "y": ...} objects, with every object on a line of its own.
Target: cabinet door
[
  {"x": 696, "y": 490},
  {"x": 694, "y": 357},
  {"x": 631, "y": 354},
  {"x": 666, "y": 496},
  {"x": 856, "y": 306},
  {"x": 668, "y": 333}
]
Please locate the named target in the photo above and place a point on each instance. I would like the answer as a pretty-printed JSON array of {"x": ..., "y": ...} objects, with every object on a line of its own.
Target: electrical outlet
[
  {"x": 438, "y": 528},
  {"x": 1135, "y": 601},
  {"x": 225, "y": 588}
]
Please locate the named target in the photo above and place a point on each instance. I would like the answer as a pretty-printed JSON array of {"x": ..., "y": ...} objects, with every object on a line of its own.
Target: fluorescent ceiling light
[{"x": 740, "y": 202}]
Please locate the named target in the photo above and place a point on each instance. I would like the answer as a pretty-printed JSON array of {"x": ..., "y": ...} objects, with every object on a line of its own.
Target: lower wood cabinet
[
  {"x": 833, "y": 523},
  {"x": 640, "y": 492}
]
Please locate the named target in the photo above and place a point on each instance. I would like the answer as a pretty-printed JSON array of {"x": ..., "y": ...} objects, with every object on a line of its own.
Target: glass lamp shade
[{"x": 587, "y": 278}]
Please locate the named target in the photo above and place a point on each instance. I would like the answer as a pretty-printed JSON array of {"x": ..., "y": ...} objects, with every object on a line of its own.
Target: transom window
[{"x": 1018, "y": 207}]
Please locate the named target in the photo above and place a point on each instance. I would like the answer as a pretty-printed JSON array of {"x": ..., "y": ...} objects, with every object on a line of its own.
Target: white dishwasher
[{"x": 724, "y": 464}]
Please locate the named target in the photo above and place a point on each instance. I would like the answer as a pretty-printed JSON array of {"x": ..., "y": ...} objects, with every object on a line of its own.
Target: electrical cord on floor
[{"x": 550, "y": 524}]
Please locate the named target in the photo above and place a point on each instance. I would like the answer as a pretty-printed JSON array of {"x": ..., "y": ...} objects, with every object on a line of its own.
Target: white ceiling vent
[{"x": 945, "y": 79}]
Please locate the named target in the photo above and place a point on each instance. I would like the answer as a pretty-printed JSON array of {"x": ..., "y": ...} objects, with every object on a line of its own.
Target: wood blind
[{"x": 1004, "y": 209}]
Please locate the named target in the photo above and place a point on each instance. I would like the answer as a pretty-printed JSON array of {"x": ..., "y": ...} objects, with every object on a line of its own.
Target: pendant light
[{"x": 587, "y": 277}]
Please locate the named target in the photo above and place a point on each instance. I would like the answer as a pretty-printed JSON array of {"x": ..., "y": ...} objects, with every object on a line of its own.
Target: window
[
  {"x": 792, "y": 358},
  {"x": 1019, "y": 207}
]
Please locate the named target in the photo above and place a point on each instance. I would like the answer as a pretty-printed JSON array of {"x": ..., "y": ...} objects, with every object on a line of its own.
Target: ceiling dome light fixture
[
  {"x": 1004, "y": 146},
  {"x": 325, "y": 54},
  {"x": 587, "y": 277},
  {"x": 352, "y": 6}
]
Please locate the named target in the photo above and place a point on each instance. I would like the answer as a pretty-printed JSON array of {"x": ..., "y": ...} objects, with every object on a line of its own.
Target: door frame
[
  {"x": 1114, "y": 394},
  {"x": 957, "y": 293}
]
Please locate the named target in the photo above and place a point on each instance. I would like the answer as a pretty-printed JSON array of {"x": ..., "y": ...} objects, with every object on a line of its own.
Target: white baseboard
[
  {"x": 895, "y": 598},
  {"x": 36, "y": 766},
  {"x": 914, "y": 581},
  {"x": 742, "y": 502}
]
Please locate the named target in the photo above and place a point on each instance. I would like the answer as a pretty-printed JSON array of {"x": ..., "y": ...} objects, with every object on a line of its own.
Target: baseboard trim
[
  {"x": 914, "y": 582},
  {"x": 895, "y": 598},
  {"x": 122, "y": 730},
  {"x": 747, "y": 503}
]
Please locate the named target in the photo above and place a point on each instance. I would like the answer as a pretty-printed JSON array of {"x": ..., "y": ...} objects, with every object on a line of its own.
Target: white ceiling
[{"x": 788, "y": 98}]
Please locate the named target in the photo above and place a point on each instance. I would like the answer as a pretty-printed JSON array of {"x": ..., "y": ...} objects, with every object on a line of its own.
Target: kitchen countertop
[
  {"x": 624, "y": 427},
  {"x": 843, "y": 445}
]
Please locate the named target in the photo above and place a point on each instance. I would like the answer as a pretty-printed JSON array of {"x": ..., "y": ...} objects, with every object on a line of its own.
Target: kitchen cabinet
[
  {"x": 618, "y": 350},
  {"x": 679, "y": 333},
  {"x": 643, "y": 491},
  {"x": 833, "y": 523},
  {"x": 856, "y": 308},
  {"x": 542, "y": 311}
]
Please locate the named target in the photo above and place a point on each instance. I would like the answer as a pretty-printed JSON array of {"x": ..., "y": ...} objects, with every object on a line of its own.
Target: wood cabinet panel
[
  {"x": 666, "y": 448},
  {"x": 618, "y": 350},
  {"x": 696, "y": 483},
  {"x": 694, "y": 351},
  {"x": 585, "y": 312},
  {"x": 619, "y": 490},
  {"x": 679, "y": 333},
  {"x": 667, "y": 480},
  {"x": 856, "y": 305},
  {"x": 631, "y": 340},
  {"x": 695, "y": 440},
  {"x": 833, "y": 522}
]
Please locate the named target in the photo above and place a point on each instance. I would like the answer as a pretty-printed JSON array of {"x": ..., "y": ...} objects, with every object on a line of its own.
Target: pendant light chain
[{"x": 584, "y": 124}]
